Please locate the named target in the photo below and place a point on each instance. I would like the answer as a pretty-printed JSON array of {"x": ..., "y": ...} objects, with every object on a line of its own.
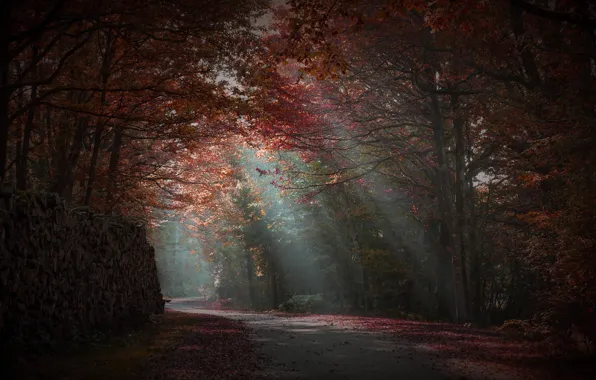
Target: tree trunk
[
  {"x": 528, "y": 62},
  {"x": 460, "y": 261},
  {"x": 67, "y": 164},
  {"x": 93, "y": 164},
  {"x": 250, "y": 278},
  {"x": 114, "y": 161},
  {"x": 273, "y": 285},
  {"x": 444, "y": 273},
  {"x": 4, "y": 90},
  {"x": 474, "y": 275},
  {"x": 23, "y": 161},
  {"x": 366, "y": 289},
  {"x": 446, "y": 213},
  {"x": 101, "y": 122},
  {"x": 73, "y": 157},
  {"x": 41, "y": 167}
]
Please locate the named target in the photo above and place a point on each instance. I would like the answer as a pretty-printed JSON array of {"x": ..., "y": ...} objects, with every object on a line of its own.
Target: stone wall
[{"x": 67, "y": 274}]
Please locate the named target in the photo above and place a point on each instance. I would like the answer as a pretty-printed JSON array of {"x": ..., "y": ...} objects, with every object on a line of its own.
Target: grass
[{"x": 117, "y": 358}]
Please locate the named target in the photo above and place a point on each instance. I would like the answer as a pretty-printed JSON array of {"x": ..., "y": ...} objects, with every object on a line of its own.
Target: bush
[
  {"x": 307, "y": 303},
  {"x": 519, "y": 329},
  {"x": 224, "y": 304},
  {"x": 400, "y": 314}
]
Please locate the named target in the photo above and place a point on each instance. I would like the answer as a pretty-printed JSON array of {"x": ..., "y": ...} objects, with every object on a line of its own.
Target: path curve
[{"x": 303, "y": 348}]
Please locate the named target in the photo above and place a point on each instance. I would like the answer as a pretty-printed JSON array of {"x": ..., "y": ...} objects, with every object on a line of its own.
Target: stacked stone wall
[{"x": 68, "y": 273}]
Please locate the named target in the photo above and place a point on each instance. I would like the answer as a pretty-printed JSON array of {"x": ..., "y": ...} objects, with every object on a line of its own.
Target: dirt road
[{"x": 305, "y": 348}]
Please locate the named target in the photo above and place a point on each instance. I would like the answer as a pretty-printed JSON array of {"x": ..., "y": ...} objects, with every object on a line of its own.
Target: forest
[{"x": 380, "y": 157}]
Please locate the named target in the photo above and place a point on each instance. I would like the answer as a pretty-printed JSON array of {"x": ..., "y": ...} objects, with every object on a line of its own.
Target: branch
[{"x": 572, "y": 18}]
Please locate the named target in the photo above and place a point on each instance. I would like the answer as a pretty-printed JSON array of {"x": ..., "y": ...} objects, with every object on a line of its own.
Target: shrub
[{"x": 307, "y": 303}]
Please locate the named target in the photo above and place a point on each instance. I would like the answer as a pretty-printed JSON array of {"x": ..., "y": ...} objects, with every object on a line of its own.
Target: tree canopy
[{"x": 387, "y": 156}]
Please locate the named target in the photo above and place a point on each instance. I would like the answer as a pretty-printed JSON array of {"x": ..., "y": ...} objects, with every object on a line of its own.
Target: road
[{"x": 303, "y": 348}]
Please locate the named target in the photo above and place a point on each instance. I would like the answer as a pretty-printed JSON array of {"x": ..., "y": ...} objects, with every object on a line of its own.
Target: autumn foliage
[
  {"x": 435, "y": 157},
  {"x": 483, "y": 112},
  {"x": 110, "y": 105}
]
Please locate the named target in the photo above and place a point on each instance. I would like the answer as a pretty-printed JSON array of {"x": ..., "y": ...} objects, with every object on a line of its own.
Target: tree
[
  {"x": 120, "y": 80},
  {"x": 485, "y": 109}
]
